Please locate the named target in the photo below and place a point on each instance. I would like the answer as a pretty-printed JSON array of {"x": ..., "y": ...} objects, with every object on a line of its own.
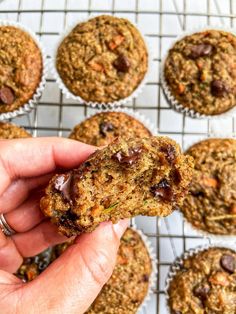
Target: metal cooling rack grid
[{"x": 161, "y": 21}]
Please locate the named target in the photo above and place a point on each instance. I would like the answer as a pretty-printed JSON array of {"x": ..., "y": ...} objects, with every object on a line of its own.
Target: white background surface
[{"x": 160, "y": 24}]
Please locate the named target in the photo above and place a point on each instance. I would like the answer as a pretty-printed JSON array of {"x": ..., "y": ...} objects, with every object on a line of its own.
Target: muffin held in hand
[
  {"x": 20, "y": 68},
  {"x": 200, "y": 72},
  {"x": 102, "y": 60},
  {"x": 128, "y": 285},
  {"x": 102, "y": 128},
  {"x": 10, "y": 131},
  {"x": 205, "y": 283},
  {"x": 127, "y": 178},
  {"x": 211, "y": 203}
]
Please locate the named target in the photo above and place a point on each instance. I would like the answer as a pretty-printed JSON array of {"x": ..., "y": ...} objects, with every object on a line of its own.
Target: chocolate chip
[
  {"x": 228, "y": 263},
  {"x": 62, "y": 184},
  {"x": 145, "y": 278},
  {"x": 176, "y": 176},
  {"x": 201, "y": 291},
  {"x": 122, "y": 64},
  {"x": 162, "y": 190},
  {"x": 105, "y": 127},
  {"x": 6, "y": 95},
  {"x": 201, "y": 50},
  {"x": 130, "y": 159},
  {"x": 219, "y": 88},
  {"x": 170, "y": 153}
]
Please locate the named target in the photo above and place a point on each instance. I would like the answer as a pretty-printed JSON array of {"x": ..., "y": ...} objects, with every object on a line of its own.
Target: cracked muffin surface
[
  {"x": 104, "y": 127},
  {"x": 205, "y": 283},
  {"x": 200, "y": 71},
  {"x": 125, "y": 179},
  {"x": 102, "y": 60},
  {"x": 211, "y": 202},
  {"x": 20, "y": 68}
]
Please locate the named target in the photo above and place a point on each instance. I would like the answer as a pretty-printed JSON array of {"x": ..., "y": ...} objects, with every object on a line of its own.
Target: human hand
[{"x": 72, "y": 282}]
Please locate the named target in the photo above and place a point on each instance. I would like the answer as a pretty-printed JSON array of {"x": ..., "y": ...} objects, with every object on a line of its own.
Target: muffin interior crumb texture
[
  {"x": 211, "y": 203},
  {"x": 20, "y": 68},
  {"x": 205, "y": 283},
  {"x": 127, "y": 178},
  {"x": 102, "y": 60},
  {"x": 102, "y": 128},
  {"x": 200, "y": 71},
  {"x": 11, "y": 131}
]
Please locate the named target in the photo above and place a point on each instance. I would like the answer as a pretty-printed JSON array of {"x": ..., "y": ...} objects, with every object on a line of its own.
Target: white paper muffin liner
[
  {"x": 100, "y": 105},
  {"x": 26, "y": 108},
  {"x": 153, "y": 276},
  {"x": 134, "y": 114},
  {"x": 176, "y": 266},
  {"x": 213, "y": 238},
  {"x": 173, "y": 102}
]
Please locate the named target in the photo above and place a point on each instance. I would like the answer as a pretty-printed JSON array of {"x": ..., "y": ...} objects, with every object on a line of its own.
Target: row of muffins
[
  {"x": 211, "y": 204},
  {"x": 212, "y": 157},
  {"x": 105, "y": 59}
]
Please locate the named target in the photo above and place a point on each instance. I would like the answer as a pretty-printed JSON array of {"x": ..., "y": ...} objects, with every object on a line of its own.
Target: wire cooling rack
[{"x": 161, "y": 21}]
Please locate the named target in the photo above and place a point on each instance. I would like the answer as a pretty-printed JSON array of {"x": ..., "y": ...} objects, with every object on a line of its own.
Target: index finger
[{"x": 38, "y": 156}]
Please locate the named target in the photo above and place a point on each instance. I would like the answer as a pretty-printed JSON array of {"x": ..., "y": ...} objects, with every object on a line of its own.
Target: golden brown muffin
[
  {"x": 20, "y": 68},
  {"x": 102, "y": 128},
  {"x": 102, "y": 60},
  {"x": 10, "y": 131}
]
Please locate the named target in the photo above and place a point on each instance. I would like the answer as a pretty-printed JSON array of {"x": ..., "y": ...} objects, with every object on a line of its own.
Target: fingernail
[{"x": 120, "y": 227}]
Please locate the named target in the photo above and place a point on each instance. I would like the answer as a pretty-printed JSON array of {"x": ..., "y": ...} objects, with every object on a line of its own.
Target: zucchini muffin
[
  {"x": 102, "y": 60},
  {"x": 102, "y": 128},
  {"x": 200, "y": 72},
  {"x": 10, "y": 131},
  {"x": 205, "y": 283},
  {"x": 20, "y": 68},
  {"x": 128, "y": 285},
  {"x": 127, "y": 178},
  {"x": 211, "y": 203}
]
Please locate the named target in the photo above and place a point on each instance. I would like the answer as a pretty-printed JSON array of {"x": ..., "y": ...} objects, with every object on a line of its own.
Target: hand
[{"x": 72, "y": 282}]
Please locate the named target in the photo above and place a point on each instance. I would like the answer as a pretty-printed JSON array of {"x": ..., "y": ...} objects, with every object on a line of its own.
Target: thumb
[{"x": 72, "y": 282}]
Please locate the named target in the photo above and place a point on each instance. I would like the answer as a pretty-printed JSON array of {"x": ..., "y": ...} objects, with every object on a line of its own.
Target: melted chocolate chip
[
  {"x": 6, "y": 96},
  {"x": 228, "y": 263},
  {"x": 162, "y": 190},
  {"x": 176, "y": 176},
  {"x": 105, "y": 127},
  {"x": 201, "y": 291},
  {"x": 219, "y": 88},
  {"x": 130, "y": 159},
  {"x": 122, "y": 64},
  {"x": 62, "y": 184},
  {"x": 170, "y": 153},
  {"x": 145, "y": 278},
  {"x": 201, "y": 50}
]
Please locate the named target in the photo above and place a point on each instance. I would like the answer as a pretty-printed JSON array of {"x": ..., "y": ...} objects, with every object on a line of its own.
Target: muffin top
[
  {"x": 10, "y": 131},
  {"x": 20, "y": 68},
  {"x": 128, "y": 285},
  {"x": 102, "y": 128},
  {"x": 205, "y": 283},
  {"x": 200, "y": 71},
  {"x": 211, "y": 203},
  {"x": 126, "y": 289},
  {"x": 102, "y": 60}
]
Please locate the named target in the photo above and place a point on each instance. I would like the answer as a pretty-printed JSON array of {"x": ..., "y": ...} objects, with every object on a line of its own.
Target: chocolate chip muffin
[
  {"x": 102, "y": 60},
  {"x": 125, "y": 179},
  {"x": 211, "y": 203},
  {"x": 200, "y": 72},
  {"x": 126, "y": 289},
  {"x": 102, "y": 128},
  {"x": 205, "y": 283},
  {"x": 10, "y": 131},
  {"x": 20, "y": 68}
]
